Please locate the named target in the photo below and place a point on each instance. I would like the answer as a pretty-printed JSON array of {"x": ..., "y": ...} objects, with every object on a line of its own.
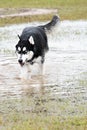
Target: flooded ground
[{"x": 62, "y": 90}]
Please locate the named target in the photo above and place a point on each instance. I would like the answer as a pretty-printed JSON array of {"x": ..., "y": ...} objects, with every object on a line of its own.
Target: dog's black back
[{"x": 40, "y": 39}]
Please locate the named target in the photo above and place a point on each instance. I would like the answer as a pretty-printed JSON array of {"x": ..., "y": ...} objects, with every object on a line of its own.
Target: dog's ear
[
  {"x": 31, "y": 40},
  {"x": 19, "y": 36}
]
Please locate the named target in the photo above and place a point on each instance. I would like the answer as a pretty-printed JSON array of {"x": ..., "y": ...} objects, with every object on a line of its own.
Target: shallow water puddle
[{"x": 65, "y": 68}]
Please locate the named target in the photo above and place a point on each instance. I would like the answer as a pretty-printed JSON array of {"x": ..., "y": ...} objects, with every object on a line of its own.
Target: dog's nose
[{"x": 20, "y": 61}]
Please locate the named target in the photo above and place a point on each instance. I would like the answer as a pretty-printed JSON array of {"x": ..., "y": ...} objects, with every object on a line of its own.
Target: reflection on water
[{"x": 65, "y": 69}]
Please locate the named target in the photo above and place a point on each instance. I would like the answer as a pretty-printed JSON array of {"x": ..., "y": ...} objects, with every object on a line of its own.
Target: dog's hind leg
[
  {"x": 41, "y": 65},
  {"x": 39, "y": 61},
  {"x": 40, "y": 68}
]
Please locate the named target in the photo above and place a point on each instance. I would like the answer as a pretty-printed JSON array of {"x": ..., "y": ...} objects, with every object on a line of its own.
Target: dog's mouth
[{"x": 21, "y": 62}]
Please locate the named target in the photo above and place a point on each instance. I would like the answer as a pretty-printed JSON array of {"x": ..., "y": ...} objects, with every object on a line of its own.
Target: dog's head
[{"x": 25, "y": 50}]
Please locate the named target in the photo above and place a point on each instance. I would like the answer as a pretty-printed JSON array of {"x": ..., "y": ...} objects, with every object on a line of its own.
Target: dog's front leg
[{"x": 25, "y": 72}]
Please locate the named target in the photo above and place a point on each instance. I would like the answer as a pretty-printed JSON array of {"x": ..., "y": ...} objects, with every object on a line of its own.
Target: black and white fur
[{"x": 33, "y": 45}]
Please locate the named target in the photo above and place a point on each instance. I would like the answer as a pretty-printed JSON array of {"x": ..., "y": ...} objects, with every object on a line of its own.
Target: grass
[
  {"x": 67, "y": 10},
  {"x": 40, "y": 3},
  {"x": 23, "y": 19},
  {"x": 46, "y": 123},
  {"x": 42, "y": 112}
]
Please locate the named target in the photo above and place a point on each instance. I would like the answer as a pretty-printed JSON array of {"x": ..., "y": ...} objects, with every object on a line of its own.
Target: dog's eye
[
  {"x": 18, "y": 51},
  {"x": 24, "y": 52}
]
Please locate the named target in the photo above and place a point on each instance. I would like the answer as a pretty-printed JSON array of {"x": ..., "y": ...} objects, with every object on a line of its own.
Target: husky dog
[{"x": 33, "y": 45}]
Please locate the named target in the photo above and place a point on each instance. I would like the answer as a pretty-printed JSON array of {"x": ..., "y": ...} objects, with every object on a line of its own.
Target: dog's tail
[{"x": 51, "y": 24}]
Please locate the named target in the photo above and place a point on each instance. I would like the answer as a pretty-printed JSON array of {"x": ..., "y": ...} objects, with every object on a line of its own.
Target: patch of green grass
[
  {"x": 46, "y": 123},
  {"x": 42, "y": 113},
  {"x": 67, "y": 10},
  {"x": 19, "y": 19},
  {"x": 41, "y": 3},
  {"x": 82, "y": 82}
]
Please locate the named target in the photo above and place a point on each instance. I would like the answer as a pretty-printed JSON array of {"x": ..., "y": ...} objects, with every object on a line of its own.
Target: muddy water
[{"x": 65, "y": 68}]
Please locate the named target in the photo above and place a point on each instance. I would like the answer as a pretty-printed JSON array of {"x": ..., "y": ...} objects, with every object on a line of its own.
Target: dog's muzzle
[{"x": 21, "y": 62}]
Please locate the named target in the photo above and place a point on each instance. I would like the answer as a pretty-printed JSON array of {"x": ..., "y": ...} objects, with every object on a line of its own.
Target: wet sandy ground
[
  {"x": 57, "y": 88},
  {"x": 24, "y": 12},
  {"x": 11, "y": 84},
  {"x": 64, "y": 82}
]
